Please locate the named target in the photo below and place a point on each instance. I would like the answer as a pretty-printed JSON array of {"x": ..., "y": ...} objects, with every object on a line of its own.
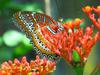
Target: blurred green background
[{"x": 14, "y": 44}]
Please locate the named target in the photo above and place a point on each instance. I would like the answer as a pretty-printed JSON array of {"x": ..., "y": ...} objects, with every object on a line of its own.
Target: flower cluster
[
  {"x": 74, "y": 44},
  {"x": 91, "y": 12},
  {"x": 36, "y": 67}
]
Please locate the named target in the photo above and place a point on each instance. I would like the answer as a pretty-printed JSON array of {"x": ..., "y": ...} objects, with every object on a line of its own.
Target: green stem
[{"x": 79, "y": 70}]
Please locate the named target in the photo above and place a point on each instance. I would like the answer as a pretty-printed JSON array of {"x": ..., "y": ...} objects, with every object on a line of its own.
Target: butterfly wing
[{"x": 32, "y": 24}]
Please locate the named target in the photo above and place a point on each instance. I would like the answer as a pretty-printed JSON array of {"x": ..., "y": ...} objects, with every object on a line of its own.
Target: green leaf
[{"x": 76, "y": 56}]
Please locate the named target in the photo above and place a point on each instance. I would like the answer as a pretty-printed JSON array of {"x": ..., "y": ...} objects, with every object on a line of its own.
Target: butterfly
[{"x": 37, "y": 26}]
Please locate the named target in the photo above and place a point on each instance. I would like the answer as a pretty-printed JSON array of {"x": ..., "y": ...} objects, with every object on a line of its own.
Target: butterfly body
[{"x": 38, "y": 27}]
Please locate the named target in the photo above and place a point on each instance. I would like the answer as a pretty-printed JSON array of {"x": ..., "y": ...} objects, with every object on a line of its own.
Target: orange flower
[
  {"x": 1, "y": 73},
  {"x": 77, "y": 22},
  {"x": 97, "y": 10},
  {"x": 95, "y": 21},
  {"x": 35, "y": 67},
  {"x": 68, "y": 25},
  {"x": 71, "y": 24},
  {"x": 87, "y": 9}
]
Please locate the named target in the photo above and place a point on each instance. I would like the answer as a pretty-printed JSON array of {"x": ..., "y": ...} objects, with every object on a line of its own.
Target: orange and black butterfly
[{"x": 36, "y": 27}]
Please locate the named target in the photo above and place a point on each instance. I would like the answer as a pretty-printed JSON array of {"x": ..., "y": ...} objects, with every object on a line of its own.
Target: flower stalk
[{"x": 79, "y": 70}]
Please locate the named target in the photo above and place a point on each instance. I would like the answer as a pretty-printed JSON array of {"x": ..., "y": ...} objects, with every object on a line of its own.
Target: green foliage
[
  {"x": 5, "y": 54},
  {"x": 32, "y": 7},
  {"x": 12, "y": 38},
  {"x": 22, "y": 49},
  {"x": 26, "y": 7},
  {"x": 4, "y": 3},
  {"x": 15, "y": 44},
  {"x": 25, "y": 41},
  {"x": 1, "y": 41}
]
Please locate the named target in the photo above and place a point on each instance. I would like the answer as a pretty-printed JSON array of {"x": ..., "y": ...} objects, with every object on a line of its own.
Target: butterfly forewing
[{"x": 32, "y": 24}]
